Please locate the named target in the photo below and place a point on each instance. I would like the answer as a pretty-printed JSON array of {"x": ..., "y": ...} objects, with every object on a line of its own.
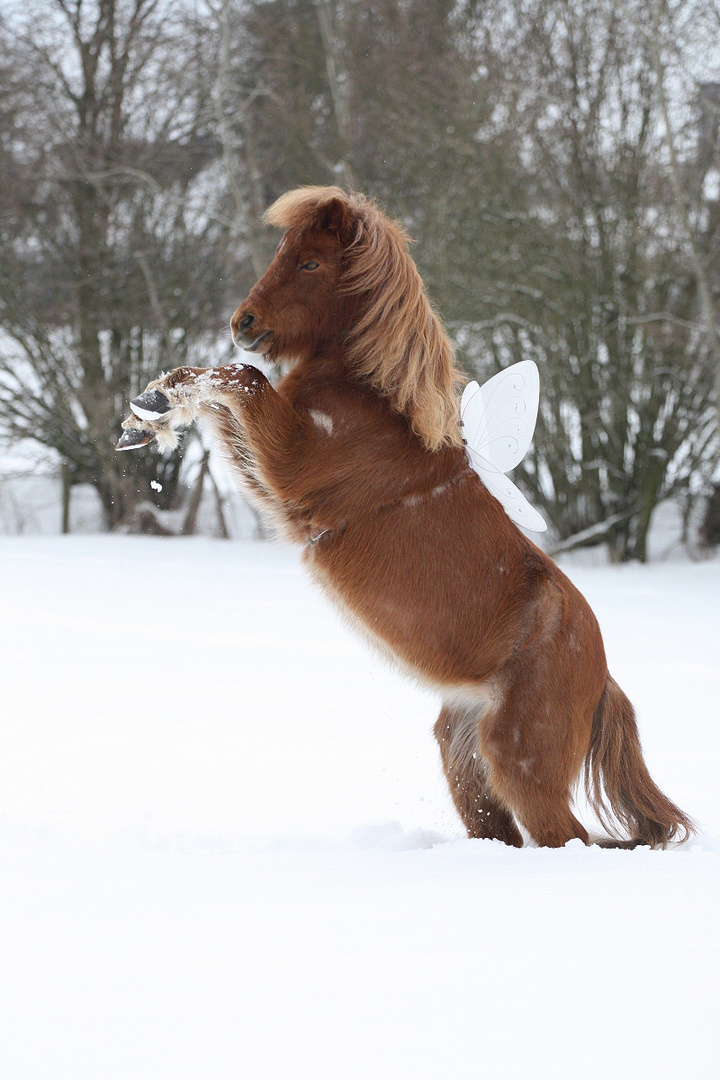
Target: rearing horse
[{"x": 357, "y": 455}]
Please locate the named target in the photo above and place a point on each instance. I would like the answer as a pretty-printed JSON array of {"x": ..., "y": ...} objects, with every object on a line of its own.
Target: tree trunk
[
  {"x": 189, "y": 525},
  {"x": 707, "y": 304},
  {"x": 219, "y": 507},
  {"x": 330, "y": 19},
  {"x": 65, "y": 483},
  {"x": 655, "y": 472}
]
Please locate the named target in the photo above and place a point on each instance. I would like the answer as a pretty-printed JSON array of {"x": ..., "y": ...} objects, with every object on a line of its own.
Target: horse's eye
[{"x": 309, "y": 266}]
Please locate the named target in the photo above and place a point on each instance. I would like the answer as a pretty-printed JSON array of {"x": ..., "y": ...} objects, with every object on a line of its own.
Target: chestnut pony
[{"x": 357, "y": 455}]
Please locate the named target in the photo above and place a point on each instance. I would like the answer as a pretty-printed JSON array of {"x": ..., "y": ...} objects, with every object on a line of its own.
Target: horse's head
[
  {"x": 297, "y": 304},
  {"x": 342, "y": 273}
]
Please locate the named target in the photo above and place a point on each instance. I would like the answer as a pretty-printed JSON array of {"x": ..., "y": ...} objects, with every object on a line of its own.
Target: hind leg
[
  {"x": 549, "y": 820},
  {"x": 482, "y": 814},
  {"x": 534, "y": 754}
]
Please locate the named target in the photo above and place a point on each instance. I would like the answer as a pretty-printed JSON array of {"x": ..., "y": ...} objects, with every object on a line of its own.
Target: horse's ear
[{"x": 335, "y": 217}]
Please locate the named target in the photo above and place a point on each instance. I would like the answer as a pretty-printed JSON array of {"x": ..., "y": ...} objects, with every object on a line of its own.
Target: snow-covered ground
[{"x": 227, "y": 851}]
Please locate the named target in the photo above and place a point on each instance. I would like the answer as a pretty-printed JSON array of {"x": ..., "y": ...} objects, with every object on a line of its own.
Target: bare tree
[
  {"x": 110, "y": 252},
  {"x": 602, "y": 291},
  {"x": 522, "y": 146},
  {"x": 333, "y": 21},
  {"x": 662, "y": 27},
  {"x": 548, "y": 164}
]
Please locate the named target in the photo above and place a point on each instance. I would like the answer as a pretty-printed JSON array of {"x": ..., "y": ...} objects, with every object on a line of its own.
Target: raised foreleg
[
  {"x": 161, "y": 410},
  {"x": 177, "y": 399},
  {"x": 261, "y": 432}
]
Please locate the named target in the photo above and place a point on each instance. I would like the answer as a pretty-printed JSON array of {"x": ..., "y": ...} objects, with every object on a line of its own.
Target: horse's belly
[{"x": 429, "y": 612}]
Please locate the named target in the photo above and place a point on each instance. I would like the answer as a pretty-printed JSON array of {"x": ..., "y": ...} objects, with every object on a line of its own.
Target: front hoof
[
  {"x": 150, "y": 405},
  {"x": 134, "y": 438}
]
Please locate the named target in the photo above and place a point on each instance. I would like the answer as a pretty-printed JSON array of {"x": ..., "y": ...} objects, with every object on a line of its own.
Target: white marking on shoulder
[{"x": 323, "y": 421}]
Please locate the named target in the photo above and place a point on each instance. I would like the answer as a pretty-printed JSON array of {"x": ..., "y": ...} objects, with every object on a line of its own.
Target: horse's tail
[{"x": 618, "y": 784}]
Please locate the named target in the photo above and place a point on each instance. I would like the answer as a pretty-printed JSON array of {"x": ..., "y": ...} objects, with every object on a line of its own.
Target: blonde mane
[{"x": 398, "y": 344}]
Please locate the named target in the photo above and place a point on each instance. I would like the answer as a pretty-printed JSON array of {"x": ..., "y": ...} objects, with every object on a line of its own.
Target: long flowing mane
[{"x": 398, "y": 344}]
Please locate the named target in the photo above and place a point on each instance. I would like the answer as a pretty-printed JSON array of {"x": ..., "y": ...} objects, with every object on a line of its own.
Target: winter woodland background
[
  {"x": 226, "y": 847},
  {"x": 557, "y": 163}
]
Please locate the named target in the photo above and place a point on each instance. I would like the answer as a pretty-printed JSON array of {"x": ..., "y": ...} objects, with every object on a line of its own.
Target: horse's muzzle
[
  {"x": 257, "y": 343},
  {"x": 247, "y": 333}
]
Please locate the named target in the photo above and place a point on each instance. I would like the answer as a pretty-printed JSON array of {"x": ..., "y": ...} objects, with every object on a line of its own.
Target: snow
[{"x": 227, "y": 850}]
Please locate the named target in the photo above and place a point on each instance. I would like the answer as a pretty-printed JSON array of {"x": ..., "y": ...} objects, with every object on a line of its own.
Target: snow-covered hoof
[
  {"x": 134, "y": 438},
  {"x": 151, "y": 405},
  {"x": 170, "y": 403}
]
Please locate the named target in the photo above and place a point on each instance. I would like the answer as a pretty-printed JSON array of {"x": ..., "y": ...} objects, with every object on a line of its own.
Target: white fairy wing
[
  {"x": 516, "y": 506},
  {"x": 498, "y": 421},
  {"x": 499, "y": 417}
]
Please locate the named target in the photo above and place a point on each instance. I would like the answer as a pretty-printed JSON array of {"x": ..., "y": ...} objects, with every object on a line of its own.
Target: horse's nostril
[{"x": 246, "y": 322}]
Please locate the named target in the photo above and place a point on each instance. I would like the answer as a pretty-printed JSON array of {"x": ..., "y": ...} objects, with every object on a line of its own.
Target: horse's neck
[
  {"x": 367, "y": 431},
  {"x": 321, "y": 375},
  {"x": 322, "y": 363}
]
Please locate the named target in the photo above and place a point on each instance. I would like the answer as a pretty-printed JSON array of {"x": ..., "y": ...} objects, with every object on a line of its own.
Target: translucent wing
[
  {"x": 498, "y": 421},
  {"x": 499, "y": 417},
  {"x": 516, "y": 506}
]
